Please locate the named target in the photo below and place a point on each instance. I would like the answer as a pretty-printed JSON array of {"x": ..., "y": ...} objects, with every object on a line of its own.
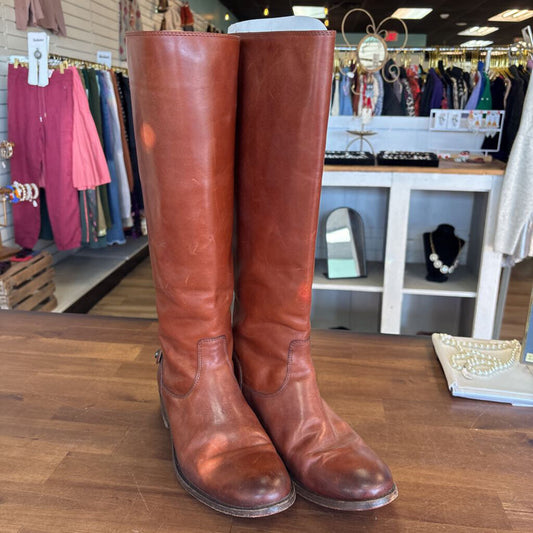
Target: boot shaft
[
  {"x": 284, "y": 95},
  {"x": 184, "y": 89}
]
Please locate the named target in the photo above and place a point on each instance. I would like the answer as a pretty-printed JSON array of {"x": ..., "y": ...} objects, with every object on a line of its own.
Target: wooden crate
[{"x": 29, "y": 286}]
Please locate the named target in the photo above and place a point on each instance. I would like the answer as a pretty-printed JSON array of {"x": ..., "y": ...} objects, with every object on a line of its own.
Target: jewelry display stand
[
  {"x": 484, "y": 369},
  {"x": 442, "y": 248}
]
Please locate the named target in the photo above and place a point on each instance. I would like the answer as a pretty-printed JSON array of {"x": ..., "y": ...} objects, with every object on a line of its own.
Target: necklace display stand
[{"x": 442, "y": 248}]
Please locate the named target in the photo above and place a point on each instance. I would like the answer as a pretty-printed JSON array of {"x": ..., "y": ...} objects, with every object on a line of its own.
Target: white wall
[{"x": 92, "y": 25}]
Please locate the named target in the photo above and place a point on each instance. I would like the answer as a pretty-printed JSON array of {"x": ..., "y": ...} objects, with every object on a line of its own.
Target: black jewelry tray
[
  {"x": 408, "y": 159},
  {"x": 345, "y": 157}
]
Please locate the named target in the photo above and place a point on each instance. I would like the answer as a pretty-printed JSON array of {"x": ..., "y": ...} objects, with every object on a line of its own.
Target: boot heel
[
  {"x": 164, "y": 417},
  {"x": 163, "y": 411},
  {"x": 158, "y": 358}
]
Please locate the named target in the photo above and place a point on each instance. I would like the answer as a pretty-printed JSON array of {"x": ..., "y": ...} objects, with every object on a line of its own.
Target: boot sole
[
  {"x": 345, "y": 505},
  {"x": 200, "y": 495}
]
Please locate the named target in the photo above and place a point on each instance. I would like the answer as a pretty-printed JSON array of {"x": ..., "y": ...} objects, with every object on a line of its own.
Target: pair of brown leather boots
[{"x": 237, "y": 123}]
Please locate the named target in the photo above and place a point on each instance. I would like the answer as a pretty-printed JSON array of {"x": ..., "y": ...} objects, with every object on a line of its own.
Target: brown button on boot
[
  {"x": 184, "y": 102},
  {"x": 284, "y": 94}
]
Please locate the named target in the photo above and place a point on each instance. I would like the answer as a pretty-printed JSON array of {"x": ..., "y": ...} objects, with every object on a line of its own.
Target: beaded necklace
[
  {"x": 471, "y": 361},
  {"x": 436, "y": 260}
]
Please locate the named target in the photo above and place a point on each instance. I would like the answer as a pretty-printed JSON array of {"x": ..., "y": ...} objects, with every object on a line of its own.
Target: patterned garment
[
  {"x": 407, "y": 96},
  {"x": 130, "y": 20}
]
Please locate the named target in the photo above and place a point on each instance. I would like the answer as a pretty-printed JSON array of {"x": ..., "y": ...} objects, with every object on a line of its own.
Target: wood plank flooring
[
  {"x": 84, "y": 449},
  {"x": 135, "y": 297}
]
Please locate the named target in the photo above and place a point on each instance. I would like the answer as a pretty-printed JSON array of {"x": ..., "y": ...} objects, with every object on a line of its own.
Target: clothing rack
[
  {"x": 56, "y": 60},
  {"x": 493, "y": 56},
  {"x": 505, "y": 48}
]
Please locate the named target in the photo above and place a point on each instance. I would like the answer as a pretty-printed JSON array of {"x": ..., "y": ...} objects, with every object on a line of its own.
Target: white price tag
[{"x": 104, "y": 57}]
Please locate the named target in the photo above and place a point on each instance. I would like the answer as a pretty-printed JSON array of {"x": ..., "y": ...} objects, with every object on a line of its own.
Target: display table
[{"x": 84, "y": 449}]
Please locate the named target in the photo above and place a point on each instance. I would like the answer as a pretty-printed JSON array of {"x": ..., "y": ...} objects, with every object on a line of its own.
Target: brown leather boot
[
  {"x": 184, "y": 101},
  {"x": 284, "y": 92}
]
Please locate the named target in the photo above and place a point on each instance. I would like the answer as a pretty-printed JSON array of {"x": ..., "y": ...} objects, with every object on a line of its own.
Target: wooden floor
[
  {"x": 83, "y": 449},
  {"x": 135, "y": 297}
]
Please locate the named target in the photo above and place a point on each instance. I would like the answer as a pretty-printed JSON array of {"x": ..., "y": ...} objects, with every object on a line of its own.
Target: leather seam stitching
[
  {"x": 186, "y": 34},
  {"x": 197, "y": 376},
  {"x": 290, "y": 359}
]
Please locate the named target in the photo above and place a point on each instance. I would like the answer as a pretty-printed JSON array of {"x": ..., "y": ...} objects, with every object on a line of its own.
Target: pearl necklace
[
  {"x": 472, "y": 362},
  {"x": 437, "y": 262}
]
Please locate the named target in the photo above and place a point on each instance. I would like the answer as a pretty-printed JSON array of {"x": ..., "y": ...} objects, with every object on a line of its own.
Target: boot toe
[
  {"x": 349, "y": 482},
  {"x": 248, "y": 483}
]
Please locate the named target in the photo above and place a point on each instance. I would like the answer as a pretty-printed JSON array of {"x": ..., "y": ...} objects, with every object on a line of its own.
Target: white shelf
[
  {"x": 462, "y": 283},
  {"x": 372, "y": 283},
  {"x": 398, "y": 205},
  {"x": 78, "y": 273}
]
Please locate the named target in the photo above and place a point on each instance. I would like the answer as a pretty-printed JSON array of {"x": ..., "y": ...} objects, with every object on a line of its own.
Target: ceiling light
[
  {"x": 477, "y": 42},
  {"x": 478, "y": 31},
  {"x": 444, "y": 16},
  {"x": 226, "y": 16},
  {"x": 412, "y": 12},
  {"x": 316, "y": 12},
  {"x": 461, "y": 23},
  {"x": 512, "y": 15}
]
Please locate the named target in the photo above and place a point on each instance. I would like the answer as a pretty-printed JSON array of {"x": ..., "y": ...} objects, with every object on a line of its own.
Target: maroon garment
[
  {"x": 47, "y": 14},
  {"x": 187, "y": 18},
  {"x": 40, "y": 124}
]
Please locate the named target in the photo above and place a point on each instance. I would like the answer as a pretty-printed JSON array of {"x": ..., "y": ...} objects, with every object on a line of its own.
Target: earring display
[
  {"x": 442, "y": 249},
  {"x": 408, "y": 159},
  {"x": 346, "y": 157}
]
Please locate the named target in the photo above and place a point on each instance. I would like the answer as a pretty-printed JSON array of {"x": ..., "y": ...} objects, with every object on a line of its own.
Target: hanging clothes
[
  {"x": 115, "y": 234},
  {"x": 485, "y": 99},
  {"x": 123, "y": 135},
  {"x": 513, "y": 114},
  {"x": 116, "y": 149},
  {"x": 378, "y": 84},
  {"x": 407, "y": 100},
  {"x": 94, "y": 204},
  {"x": 346, "y": 81},
  {"x": 136, "y": 196},
  {"x": 392, "y": 94},
  {"x": 172, "y": 18},
  {"x": 51, "y": 128},
  {"x": 187, "y": 18},
  {"x": 37, "y": 117},
  {"x": 129, "y": 20},
  {"x": 90, "y": 167},
  {"x": 47, "y": 14},
  {"x": 432, "y": 95},
  {"x": 412, "y": 74},
  {"x": 335, "y": 95},
  {"x": 497, "y": 91},
  {"x": 514, "y": 221},
  {"x": 473, "y": 101}
]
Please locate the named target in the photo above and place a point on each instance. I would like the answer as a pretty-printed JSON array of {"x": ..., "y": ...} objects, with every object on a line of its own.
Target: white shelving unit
[{"x": 397, "y": 206}]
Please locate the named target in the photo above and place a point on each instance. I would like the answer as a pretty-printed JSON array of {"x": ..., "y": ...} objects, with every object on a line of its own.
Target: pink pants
[{"x": 40, "y": 125}]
